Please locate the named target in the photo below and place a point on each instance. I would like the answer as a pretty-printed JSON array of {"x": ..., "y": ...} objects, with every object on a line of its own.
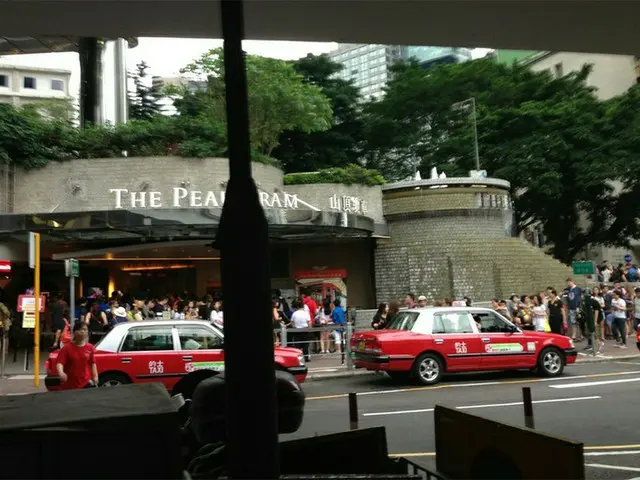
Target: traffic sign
[
  {"x": 584, "y": 268},
  {"x": 72, "y": 267},
  {"x": 628, "y": 258}
]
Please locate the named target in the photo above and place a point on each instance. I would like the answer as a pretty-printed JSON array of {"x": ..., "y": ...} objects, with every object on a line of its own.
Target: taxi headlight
[{"x": 301, "y": 360}]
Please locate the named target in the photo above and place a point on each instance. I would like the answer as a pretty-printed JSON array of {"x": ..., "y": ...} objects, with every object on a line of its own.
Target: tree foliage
[
  {"x": 278, "y": 99},
  {"x": 550, "y": 137},
  {"x": 352, "y": 174},
  {"x": 301, "y": 151},
  {"x": 144, "y": 101}
]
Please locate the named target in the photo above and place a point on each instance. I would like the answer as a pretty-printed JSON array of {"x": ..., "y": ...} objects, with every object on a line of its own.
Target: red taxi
[
  {"x": 424, "y": 343},
  {"x": 179, "y": 354}
]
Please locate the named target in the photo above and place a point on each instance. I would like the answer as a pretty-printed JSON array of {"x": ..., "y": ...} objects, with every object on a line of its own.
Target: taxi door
[
  {"x": 503, "y": 348},
  {"x": 456, "y": 339},
  {"x": 201, "y": 348},
  {"x": 148, "y": 354}
]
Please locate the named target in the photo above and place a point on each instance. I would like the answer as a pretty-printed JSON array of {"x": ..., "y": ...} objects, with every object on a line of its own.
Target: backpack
[{"x": 65, "y": 336}]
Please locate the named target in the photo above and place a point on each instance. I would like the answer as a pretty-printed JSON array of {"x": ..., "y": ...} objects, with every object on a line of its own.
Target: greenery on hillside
[{"x": 352, "y": 174}]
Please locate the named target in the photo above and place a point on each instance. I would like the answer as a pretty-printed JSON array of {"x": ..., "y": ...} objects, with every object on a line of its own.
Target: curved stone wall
[{"x": 455, "y": 237}]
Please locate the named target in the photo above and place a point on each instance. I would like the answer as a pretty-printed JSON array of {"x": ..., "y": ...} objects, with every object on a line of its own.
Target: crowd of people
[{"x": 615, "y": 310}]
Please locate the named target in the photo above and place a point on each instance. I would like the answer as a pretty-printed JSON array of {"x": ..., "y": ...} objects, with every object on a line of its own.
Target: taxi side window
[
  {"x": 490, "y": 323},
  {"x": 198, "y": 338},
  {"x": 451, "y": 323},
  {"x": 148, "y": 339}
]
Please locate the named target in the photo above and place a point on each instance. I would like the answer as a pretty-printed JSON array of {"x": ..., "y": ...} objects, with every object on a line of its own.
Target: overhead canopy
[
  {"x": 42, "y": 44},
  {"x": 570, "y": 25}
]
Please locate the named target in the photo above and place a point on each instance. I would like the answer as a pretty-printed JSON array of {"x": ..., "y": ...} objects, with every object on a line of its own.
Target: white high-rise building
[{"x": 368, "y": 66}]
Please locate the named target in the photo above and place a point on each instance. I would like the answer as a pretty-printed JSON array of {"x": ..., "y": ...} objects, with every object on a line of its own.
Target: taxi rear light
[{"x": 47, "y": 364}]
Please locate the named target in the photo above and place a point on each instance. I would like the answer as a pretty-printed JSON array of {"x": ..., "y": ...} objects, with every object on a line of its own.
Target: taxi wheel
[
  {"x": 428, "y": 369},
  {"x": 112, "y": 380},
  {"x": 550, "y": 362}
]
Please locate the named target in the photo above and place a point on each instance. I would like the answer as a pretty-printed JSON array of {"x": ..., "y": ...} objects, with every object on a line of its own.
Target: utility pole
[{"x": 475, "y": 132}]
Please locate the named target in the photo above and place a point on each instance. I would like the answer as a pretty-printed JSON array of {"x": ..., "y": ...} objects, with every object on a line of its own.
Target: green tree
[
  {"x": 278, "y": 99},
  {"x": 338, "y": 146},
  {"x": 545, "y": 135},
  {"x": 144, "y": 101}
]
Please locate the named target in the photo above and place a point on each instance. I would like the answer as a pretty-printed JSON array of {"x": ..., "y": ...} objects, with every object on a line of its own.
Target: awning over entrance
[{"x": 121, "y": 227}]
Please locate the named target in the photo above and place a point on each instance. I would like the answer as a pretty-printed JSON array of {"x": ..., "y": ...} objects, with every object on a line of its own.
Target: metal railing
[{"x": 309, "y": 339}]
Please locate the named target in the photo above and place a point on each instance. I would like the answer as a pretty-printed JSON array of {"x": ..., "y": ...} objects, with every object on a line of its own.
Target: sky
[{"x": 166, "y": 56}]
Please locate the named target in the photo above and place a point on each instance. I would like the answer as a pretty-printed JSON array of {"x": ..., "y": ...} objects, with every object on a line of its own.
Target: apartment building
[{"x": 21, "y": 85}]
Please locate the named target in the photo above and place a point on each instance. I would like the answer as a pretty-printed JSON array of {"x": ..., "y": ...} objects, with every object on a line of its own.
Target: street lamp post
[
  {"x": 474, "y": 117},
  {"x": 475, "y": 132}
]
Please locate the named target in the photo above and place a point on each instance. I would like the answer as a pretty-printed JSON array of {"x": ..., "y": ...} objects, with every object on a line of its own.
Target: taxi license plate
[{"x": 361, "y": 345}]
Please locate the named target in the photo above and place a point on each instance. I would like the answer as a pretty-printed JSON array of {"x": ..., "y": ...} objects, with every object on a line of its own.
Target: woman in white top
[
  {"x": 539, "y": 313},
  {"x": 216, "y": 317},
  {"x": 300, "y": 319},
  {"x": 619, "y": 309}
]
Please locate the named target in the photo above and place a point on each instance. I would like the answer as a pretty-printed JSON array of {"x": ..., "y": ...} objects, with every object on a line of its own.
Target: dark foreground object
[{"x": 92, "y": 433}]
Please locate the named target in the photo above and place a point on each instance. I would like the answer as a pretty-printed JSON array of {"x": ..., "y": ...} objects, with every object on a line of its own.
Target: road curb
[
  {"x": 318, "y": 377},
  {"x": 591, "y": 359}
]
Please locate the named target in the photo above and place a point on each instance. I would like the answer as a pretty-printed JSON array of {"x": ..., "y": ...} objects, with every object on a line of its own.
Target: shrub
[{"x": 352, "y": 174}]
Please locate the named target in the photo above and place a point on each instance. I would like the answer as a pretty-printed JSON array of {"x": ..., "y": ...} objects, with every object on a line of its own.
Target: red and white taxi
[
  {"x": 425, "y": 343},
  {"x": 179, "y": 354}
]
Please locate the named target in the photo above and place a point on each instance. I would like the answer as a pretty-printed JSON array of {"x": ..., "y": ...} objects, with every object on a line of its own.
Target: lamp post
[{"x": 474, "y": 118}]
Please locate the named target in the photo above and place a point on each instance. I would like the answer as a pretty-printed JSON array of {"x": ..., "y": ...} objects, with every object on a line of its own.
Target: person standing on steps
[{"x": 619, "y": 309}]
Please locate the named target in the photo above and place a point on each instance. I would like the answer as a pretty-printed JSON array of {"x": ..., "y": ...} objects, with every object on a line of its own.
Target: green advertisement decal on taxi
[
  {"x": 215, "y": 366},
  {"x": 504, "y": 348}
]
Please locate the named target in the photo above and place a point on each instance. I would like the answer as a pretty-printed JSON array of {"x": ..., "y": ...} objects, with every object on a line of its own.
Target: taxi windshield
[{"x": 403, "y": 321}]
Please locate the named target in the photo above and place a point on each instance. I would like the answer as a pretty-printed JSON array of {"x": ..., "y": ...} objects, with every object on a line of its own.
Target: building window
[
  {"x": 4, "y": 80},
  {"x": 29, "y": 82},
  {"x": 557, "y": 70},
  {"x": 57, "y": 85}
]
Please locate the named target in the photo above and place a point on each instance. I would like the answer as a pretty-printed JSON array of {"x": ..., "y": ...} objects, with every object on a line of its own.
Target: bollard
[
  {"x": 528, "y": 407},
  {"x": 353, "y": 411},
  {"x": 283, "y": 335}
]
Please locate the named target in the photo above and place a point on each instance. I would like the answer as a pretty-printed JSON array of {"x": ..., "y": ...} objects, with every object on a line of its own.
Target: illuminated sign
[
  {"x": 184, "y": 198},
  {"x": 5, "y": 266}
]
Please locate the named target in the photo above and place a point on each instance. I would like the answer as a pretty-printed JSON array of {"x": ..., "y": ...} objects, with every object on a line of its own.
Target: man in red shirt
[
  {"x": 313, "y": 337},
  {"x": 76, "y": 365}
]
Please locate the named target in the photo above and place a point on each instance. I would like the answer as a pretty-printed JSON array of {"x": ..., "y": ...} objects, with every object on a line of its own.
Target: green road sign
[
  {"x": 584, "y": 268},
  {"x": 72, "y": 267}
]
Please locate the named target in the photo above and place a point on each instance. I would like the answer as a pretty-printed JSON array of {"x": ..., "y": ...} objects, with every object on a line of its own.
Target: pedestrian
[
  {"x": 636, "y": 309},
  {"x": 380, "y": 318},
  {"x": 339, "y": 317},
  {"x": 76, "y": 364},
  {"x": 575, "y": 298},
  {"x": 299, "y": 320},
  {"x": 557, "y": 313},
  {"x": 619, "y": 308}
]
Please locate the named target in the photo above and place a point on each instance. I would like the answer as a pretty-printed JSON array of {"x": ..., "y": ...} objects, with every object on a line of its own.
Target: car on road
[
  {"x": 178, "y": 354},
  {"x": 424, "y": 343}
]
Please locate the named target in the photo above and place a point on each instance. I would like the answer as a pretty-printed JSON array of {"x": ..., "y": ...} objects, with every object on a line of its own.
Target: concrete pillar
[{"x": 90, "y": 52}]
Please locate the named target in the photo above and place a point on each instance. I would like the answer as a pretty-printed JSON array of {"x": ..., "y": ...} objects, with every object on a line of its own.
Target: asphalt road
[{"x": 597, "y": 404}]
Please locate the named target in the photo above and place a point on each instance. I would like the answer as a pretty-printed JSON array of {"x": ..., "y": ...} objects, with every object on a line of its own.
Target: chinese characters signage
[{"x": 348, "y": 204}]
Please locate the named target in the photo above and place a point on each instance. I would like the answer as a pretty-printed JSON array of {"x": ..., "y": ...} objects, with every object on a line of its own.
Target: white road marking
[
  {"x": 598, "y": 355},
  {"x": 612, "y": 467},
  {"x": 492, "y": 405},
  {"x": 595, "y": 384},
  {"x": 602, "y": 454},
  {"x": 319, "y": 370}
]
